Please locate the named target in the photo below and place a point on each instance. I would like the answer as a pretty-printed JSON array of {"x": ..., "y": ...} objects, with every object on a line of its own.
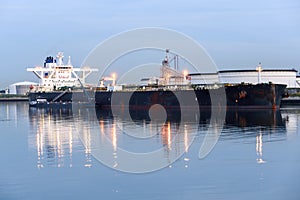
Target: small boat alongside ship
[{"x": 61, "y": 85}]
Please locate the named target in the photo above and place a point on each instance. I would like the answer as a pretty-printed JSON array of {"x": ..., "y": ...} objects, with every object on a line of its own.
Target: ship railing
[
  {"x": 207, "y": 86},
  {"x": 158, "y": 88}
]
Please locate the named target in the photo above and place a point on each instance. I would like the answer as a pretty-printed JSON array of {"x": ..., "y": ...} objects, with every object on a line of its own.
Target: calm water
[{"x": 47, "y": 154}]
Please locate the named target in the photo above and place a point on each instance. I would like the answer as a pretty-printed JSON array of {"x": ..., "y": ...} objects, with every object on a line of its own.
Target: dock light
[
  {"x": 114, "y": 76},
  {"x": 185, "y": 73}
]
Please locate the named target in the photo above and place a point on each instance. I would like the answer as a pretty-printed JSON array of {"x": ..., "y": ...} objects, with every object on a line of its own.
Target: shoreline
[
  {"x": 3, "y": 99},
  {"x": 290, "y": 102}
]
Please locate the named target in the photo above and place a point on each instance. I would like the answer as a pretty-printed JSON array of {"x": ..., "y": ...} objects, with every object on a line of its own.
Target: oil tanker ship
[
  {"x": 62, "y": 86},
  {"x": 242, "y": 96}
]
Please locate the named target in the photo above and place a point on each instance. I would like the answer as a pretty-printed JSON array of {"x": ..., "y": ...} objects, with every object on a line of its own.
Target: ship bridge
[{"x": 55, "y": 74}]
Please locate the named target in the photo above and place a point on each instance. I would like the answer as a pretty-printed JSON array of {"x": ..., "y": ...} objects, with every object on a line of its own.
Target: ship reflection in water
[
  {"x": 54, "y": 138},
  {"x": 256, "y": 124},
  {"x": 57, "y": 133}
]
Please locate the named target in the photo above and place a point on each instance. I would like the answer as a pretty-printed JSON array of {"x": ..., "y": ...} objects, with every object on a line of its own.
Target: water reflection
[
  {"x": 239, "y": 125},
  {"x": 13, "y": 111},
  {"x": 117, "y": 136},
  {"x": 250, "y": 118},
  {"x": 264, "y": 125},
  {"x": 259, "y": 148},
  {"x": 54, "y": 136}
]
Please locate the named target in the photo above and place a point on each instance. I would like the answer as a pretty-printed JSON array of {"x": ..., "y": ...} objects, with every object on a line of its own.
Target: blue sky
[{"x": 236, "y": 34}]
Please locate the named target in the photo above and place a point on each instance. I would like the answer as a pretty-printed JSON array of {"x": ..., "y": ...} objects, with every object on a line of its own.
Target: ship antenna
[
  {"x": 69, "y": 61},
  {"x": 60, "y": 56},
  {"x": 167, "y": 56}
]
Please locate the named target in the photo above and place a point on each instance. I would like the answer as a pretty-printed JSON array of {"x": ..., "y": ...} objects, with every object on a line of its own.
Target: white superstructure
[{"x": 55, "y": 74}]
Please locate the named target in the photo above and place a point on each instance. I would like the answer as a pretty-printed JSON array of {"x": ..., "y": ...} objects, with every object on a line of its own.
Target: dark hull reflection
[
  {"x": 54, "y": 137},
  {"x": 239, "y": 118},
  {"x": 55, "y": 113},
  {"x": 254, "y": 118}
]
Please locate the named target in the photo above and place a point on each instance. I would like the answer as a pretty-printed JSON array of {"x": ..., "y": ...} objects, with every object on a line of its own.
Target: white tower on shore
[{"x": 259, "y": 70}]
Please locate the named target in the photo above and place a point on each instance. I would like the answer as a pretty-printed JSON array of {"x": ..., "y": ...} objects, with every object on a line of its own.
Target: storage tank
[
  {"x": 278, "y": 76},
  {"x": 21, "y": 88}
]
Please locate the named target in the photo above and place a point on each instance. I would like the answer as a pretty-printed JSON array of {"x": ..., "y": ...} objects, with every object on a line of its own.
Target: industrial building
[
  {"x": 279, "y": 76},
  {"x": 21, "y": 88}
]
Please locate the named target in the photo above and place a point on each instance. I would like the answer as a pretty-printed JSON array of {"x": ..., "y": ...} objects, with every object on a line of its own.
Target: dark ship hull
[
  {"x": 241, "y": 96},
  {"x": 57, "y": 99}
]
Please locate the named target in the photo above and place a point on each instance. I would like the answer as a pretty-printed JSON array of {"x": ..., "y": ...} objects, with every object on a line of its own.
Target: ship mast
[{"x": 60, "y": 56}]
